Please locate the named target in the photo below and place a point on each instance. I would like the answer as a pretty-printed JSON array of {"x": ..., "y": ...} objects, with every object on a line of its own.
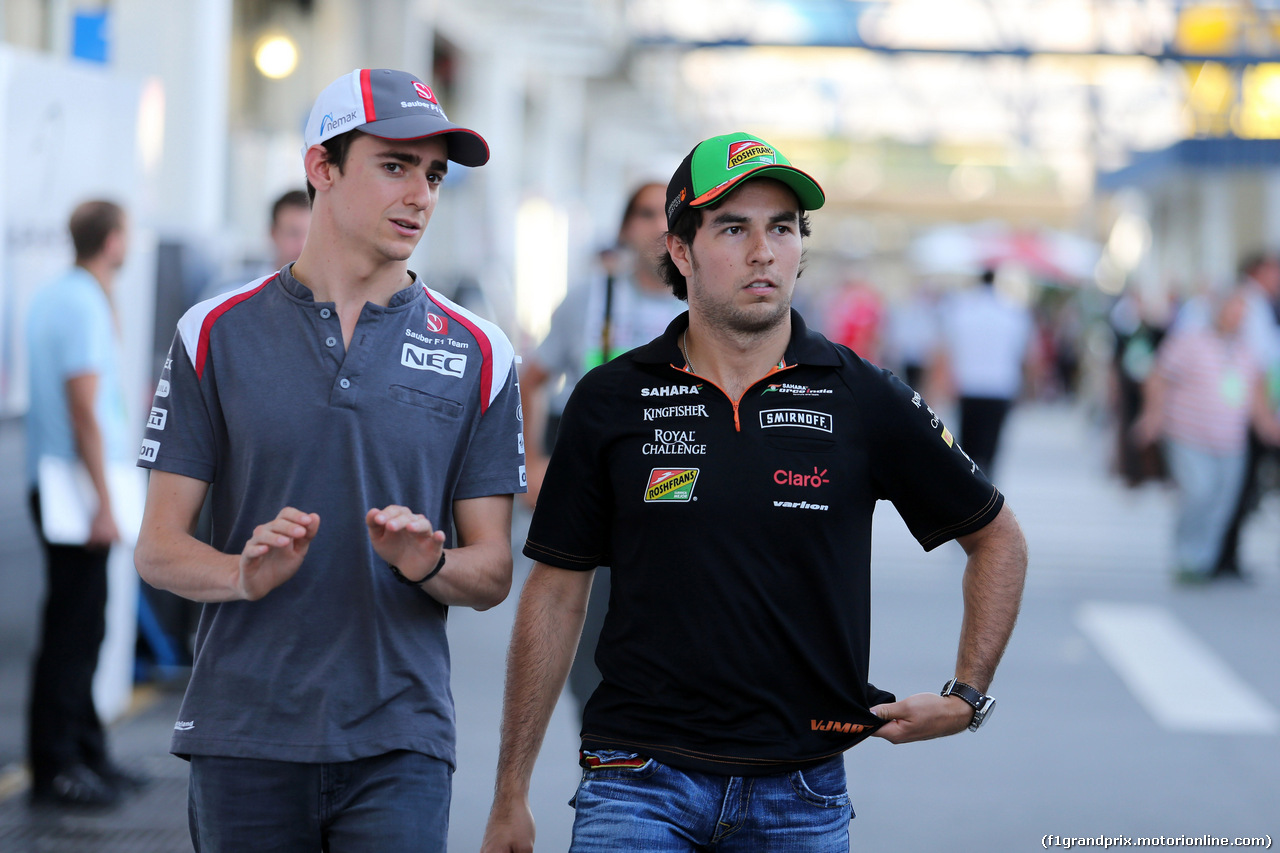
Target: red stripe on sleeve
[
  {"x": 486, "y": 352},
  {"x": 202, "y": 348},
  {"x": 366, "y": 89}
]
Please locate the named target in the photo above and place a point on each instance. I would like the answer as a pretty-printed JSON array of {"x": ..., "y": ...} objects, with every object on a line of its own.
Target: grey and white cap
[{"x": 391, "y": 105}]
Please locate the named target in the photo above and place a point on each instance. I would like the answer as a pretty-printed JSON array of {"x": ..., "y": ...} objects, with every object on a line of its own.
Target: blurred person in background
[
  {"x": 735, "y": 653},
  {"x": 856, "y": 317},
  {"x": 358, "y": 436},
  {"x": 77, "y": 412},
  {"x": 626, "y": 307},
  {"x": 290, "y": 220},
  {"x": 1138, "y": 323},
  {"x": 1202, "y": 396},
  {"x": 629, "y": 306},
  {"x": 913, "y": 334},
  {"x": 1260, "y": 326},
  {"x": 986, "y": 344}
]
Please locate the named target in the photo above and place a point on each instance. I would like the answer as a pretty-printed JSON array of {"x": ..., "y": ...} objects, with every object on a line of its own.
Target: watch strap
[
  {"x": 395, "y": 570},
  {"x": 972, "y": 695},
  {"x": 981, "y": 703}
]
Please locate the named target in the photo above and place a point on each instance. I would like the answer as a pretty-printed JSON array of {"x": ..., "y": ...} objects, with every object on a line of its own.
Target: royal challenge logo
[{"x": 671, "y": 484}]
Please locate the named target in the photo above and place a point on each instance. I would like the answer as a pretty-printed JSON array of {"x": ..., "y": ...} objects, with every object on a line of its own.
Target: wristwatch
[{"x": 982, "y": 705}]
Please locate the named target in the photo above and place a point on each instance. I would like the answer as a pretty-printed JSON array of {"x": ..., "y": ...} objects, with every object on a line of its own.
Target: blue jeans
[
  {"x": 397, "y": 801},
  {"x": 639, "y": 804},
  {"x": 1208, "y": 485}
]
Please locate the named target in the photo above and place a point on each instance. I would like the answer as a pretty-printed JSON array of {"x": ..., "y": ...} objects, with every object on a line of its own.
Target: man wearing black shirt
[{"x": 727, "y": 471}]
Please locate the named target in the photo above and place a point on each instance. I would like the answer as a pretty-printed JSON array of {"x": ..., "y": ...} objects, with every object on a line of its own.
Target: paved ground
[{"x": 1103, "y": 727}]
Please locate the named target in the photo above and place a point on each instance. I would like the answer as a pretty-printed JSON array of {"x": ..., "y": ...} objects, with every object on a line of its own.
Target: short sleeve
[
  {"x": 495, "y": 457},
  {"x": 182, "y": 426},
  {"x": 85, "y": 340},
  {"x": 570, "y": 526},
  {"x": 921, "y": 468}
]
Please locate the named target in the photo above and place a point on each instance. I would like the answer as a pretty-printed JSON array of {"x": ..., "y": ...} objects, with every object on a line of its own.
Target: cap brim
[
  {"x": 465, "y": 145},
  {"x": 806, "y": 188}
]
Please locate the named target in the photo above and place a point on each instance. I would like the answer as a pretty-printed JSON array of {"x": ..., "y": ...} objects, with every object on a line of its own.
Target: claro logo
[{"x": 790, "y": 478}]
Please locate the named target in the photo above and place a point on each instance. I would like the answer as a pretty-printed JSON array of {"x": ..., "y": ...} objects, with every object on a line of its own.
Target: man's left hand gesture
[
  {"x": 922, "y": 717},
  {"x": 405, "y": 539}
]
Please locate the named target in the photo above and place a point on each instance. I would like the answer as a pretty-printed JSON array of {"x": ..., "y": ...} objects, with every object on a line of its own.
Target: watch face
[{"x": 982, "y": 714}]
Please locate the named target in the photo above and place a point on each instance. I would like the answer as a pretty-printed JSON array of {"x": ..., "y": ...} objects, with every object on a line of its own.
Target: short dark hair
[
  {"x": 686, "y": 225},
  {"x": 92, "y": 222},
  {"x": 293, "y": 198},
  {"x": 336, "y": 150},
  {"x": 633, "y": 202},
  {"x": 1252, "y": 261}
]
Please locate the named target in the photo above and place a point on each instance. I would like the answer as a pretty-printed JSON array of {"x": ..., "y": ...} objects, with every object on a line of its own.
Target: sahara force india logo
[
  {"x": 671, "y": 484},
  {"x": 749, "y": 151}
]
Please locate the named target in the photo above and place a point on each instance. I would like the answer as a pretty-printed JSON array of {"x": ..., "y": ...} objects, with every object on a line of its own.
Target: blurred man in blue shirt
[{"x": 77, "y": 412}]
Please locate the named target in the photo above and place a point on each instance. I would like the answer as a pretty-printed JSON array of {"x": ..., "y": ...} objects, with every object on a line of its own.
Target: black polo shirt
[{"x": 739, "y": 536}]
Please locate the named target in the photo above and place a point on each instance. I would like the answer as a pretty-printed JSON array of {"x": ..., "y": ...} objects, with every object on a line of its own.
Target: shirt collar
[
  {"x": 805, "y": 347},
  {"x": 300, "y": 291}
]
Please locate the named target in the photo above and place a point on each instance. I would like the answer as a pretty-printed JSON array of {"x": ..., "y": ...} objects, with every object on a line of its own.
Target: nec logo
[{"x": 436, "y": 360}]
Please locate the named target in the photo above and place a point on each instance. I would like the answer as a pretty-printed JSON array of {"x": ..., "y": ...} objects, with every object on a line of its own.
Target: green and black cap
[{"x": 716, "y": 165}]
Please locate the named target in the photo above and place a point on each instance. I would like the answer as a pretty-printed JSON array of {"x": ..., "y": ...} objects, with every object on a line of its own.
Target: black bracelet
[{"x": 395, "y": 570}]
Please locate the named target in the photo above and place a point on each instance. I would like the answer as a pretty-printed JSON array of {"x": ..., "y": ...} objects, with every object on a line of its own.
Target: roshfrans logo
[
  {"x": 749, "y": 151},
  {"x": 671, "y": 484},
  {"x": 330, "y": 123}
]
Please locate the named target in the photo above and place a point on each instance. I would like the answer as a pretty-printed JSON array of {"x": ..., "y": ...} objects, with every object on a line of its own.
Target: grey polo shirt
[{"x": 259, "y": 398}]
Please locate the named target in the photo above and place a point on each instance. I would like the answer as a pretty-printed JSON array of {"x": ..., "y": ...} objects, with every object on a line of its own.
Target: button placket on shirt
[
  {"x": 351, "y": 363},
  {"x": 330, "y": 329}
]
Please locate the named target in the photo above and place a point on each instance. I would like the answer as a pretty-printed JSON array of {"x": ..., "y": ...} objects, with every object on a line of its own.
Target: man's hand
[
  {"x": 405, "y": 539},
  {"x": 1147, "y": 429},
  {"x": 275, "y": 552},
  {"x": 922, "y": 717},
  {"x": 102, "y": 529},
  {"x": 510, "y": 829}
]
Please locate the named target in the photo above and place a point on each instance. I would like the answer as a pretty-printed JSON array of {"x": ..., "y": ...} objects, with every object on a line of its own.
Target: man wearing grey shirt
[{"x": 348, "y": 423}]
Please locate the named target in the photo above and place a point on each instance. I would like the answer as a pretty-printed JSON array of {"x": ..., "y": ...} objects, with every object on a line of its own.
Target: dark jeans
[
  {"x": 63, "y": 725},
  {"x": 648, "y": 806},
  {"x": 394, "y": 802},
  {"x": 981, "y": 419},
  {"x": 1246, "y": 502}
]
